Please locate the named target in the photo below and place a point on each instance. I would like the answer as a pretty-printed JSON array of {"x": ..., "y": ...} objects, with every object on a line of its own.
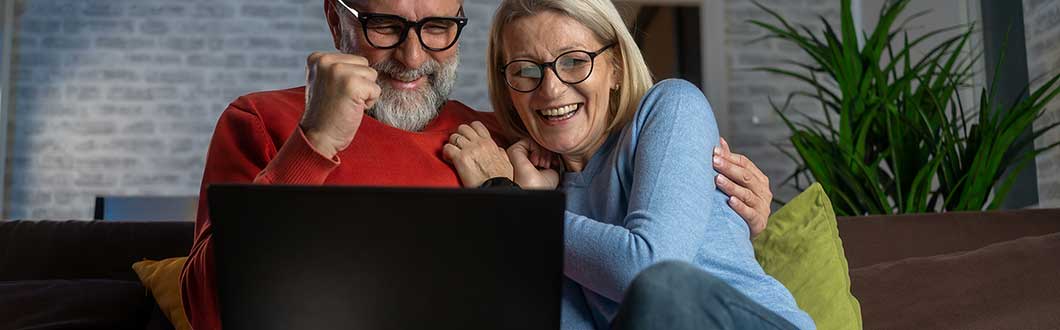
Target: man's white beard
[{"x": 412, "y": 110}]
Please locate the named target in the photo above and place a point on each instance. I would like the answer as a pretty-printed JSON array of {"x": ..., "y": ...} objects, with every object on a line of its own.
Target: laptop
[{"x": 331, "y": 257}]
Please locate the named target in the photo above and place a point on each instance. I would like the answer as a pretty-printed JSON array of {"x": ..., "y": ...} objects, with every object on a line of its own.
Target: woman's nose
[{"x": 551, "y": 86}]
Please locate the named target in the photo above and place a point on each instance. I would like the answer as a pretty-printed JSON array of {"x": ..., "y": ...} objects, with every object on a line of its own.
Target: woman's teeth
[{"x": 560, "y": 112}]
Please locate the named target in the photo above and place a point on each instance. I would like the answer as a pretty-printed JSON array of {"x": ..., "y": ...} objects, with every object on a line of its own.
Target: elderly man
[{"x": 320, "y": 134}]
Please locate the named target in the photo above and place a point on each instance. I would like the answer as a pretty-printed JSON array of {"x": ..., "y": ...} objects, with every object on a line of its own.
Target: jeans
[{"x": 677, "y": 295}]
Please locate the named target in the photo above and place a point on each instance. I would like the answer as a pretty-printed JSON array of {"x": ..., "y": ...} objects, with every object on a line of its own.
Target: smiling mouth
[
  {"x": 400, "y": 83},
  {"x": 559, "y": 113}
]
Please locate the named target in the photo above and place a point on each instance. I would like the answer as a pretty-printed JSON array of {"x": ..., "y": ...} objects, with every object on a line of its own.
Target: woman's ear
[
  {"x": 334, "y": 24},
  {"x": 616, "y": 71}
]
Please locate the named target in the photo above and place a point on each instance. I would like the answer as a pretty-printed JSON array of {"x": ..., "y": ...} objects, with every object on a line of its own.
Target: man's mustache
[{"x": 398, "y": 71}]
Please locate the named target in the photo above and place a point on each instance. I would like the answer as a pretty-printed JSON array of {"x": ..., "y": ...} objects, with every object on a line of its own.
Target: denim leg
[{"x": 677, "y": 295}]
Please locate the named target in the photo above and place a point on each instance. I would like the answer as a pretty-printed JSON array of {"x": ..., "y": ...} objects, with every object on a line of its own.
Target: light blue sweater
[{"x": 648, "y": 195}]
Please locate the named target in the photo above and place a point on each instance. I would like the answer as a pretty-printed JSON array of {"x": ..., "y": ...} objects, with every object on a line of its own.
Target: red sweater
[{"x": 257, "y": 139}]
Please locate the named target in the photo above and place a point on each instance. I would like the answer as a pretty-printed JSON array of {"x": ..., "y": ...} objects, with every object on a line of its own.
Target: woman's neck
[{"x": 576, "y": 161}]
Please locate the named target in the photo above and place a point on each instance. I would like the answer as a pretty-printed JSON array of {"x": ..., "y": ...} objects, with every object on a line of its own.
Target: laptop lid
[{"x": 310, "y": 257}]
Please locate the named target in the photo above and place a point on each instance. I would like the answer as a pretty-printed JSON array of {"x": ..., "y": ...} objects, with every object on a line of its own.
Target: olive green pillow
[{"x": 801, "y": 248}]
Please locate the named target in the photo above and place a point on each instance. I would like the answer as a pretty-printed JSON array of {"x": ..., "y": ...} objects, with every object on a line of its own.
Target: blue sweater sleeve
[{"x": 669, "y": 209}]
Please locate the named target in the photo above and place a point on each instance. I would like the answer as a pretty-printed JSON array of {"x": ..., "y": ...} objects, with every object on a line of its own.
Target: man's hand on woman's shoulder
[{"x": 746, "y": 185}]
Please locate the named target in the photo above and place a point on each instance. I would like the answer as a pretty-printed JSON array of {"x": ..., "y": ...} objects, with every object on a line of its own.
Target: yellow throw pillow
[
  {"x": 163, "y": 279},
  {"x": 801, "y": 248}
]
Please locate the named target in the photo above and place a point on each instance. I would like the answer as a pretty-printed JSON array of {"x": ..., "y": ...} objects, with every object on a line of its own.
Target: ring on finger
[{"x": 455, "y": 139}]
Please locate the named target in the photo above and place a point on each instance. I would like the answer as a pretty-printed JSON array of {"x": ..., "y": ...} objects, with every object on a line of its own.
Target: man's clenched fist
[{"x": 339, "y": 88}]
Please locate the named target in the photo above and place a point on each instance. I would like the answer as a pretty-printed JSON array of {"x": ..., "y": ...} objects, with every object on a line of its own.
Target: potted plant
[{"x": 895, "y": 135}]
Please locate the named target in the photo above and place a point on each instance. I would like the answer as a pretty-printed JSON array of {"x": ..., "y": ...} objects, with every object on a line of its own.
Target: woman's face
[{"x": 570, "y": 120}]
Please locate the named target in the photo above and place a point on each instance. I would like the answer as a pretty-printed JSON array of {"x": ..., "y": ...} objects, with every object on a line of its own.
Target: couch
[
  {"x": 78, "y": 275},
  {"x": 979, "y": 270},
  {"x": 961, "y": 270}
]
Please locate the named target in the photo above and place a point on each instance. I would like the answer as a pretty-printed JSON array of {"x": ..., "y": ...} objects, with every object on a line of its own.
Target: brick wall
[
  {"x": 120, "y": 97},
  {"x": 754, "y": 127},
  {"x": 1041, "y": 18}
]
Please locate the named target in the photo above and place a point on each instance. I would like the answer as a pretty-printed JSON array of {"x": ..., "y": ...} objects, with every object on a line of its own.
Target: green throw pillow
[{"x": 801, "y": 248}]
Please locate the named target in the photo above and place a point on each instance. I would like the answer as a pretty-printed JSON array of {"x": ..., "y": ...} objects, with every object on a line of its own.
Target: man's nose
[{"x": 411, "y": 52}]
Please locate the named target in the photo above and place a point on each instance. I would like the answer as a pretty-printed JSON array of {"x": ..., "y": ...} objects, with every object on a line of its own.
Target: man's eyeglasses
[
  {"x": 571, "y": 67},
  {"x": 386, "y": 31}
]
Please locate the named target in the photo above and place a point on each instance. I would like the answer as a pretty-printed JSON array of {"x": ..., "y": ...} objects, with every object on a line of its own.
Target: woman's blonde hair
[{"x": 602, "y": 18}]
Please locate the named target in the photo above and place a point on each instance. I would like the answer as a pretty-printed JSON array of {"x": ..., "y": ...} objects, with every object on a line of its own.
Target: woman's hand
[
  {"x": 533, "y": 165},
  {"x": 475, "y": 156}
]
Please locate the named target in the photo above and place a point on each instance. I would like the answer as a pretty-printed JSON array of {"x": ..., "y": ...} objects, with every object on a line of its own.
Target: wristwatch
[{"x": 500, "y": 182}]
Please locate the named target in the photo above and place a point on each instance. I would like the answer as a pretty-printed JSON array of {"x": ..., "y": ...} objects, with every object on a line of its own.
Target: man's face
[{"x": 415, "y": 82}]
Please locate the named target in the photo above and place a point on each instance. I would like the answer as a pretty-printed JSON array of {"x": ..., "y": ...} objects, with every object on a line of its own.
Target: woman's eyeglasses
[
  {"x": 386, "y": 31},
  {"x": 571, "y": 67}
]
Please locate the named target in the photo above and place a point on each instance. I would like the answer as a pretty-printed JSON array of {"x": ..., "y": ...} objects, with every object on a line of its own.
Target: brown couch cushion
[
  {"x": 1009, "y": 285},
  {"x": 870, "y": 240},
  {"x": 73, "y": 305}
]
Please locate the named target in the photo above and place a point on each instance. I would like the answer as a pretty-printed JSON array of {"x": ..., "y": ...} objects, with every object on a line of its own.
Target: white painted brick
[
  {"x": 754, "y": 127},
  {"x": 1041, "y": 18}
]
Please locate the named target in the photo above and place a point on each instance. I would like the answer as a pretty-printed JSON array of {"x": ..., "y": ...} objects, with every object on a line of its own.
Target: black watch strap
[{"x": 499, "y": 182}]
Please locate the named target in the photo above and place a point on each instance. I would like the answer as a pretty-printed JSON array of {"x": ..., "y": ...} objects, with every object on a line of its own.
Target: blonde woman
[{"x": 566, "y": 75}]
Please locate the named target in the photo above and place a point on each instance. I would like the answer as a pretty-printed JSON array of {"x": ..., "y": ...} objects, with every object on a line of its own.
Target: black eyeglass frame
[
  {"x": 552, "y": 65},
  {"x": 363, "y": 18}
]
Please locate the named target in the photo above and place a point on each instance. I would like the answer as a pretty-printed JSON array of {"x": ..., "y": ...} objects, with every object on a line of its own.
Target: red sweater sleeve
[{"x": 241, "y": 151}]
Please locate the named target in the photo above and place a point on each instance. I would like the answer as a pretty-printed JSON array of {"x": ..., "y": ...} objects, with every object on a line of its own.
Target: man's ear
[{"x": 334, "y": 24}]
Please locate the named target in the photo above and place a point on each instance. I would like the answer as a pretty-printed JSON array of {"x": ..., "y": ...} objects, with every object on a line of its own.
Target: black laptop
[{"x": 300, "y": 257}]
